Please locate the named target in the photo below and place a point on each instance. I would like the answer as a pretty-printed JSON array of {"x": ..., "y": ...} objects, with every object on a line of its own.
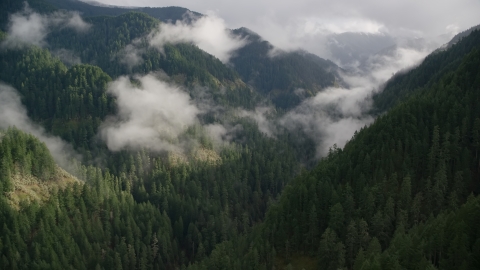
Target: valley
[{"x": 159, "y": 138}]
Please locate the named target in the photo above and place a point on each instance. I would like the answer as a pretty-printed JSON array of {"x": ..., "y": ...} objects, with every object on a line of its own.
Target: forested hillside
[
  {"x": 103, "y": 44},
  {"x": 110, "y": 41},
  {"x": 402, "y": 194},
  {"x": 142, "y": 209},
  {"x": 164, "y": 14},
  {"x": 69, "y": 102}
]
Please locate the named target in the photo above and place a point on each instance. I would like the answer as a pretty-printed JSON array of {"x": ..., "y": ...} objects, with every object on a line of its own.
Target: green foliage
[
  {"x": 83, "y": 227},
  {"x": 70, "y": 102},
  {"x": 155, "y": 213},
  {"x": 106, "y": 40}
]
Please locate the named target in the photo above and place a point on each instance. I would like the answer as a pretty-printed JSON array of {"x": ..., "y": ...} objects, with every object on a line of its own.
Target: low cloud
[
  {"x": 30, "y": 28},
  {"x": 13, "y": 113},
  {"x": 151, "y": 114},
  {"x": 26, "y": 28},
  {"x": 209, "y": 33},
  {"x": 160, "y": 116},
  {"x": 333, "y": 115}
]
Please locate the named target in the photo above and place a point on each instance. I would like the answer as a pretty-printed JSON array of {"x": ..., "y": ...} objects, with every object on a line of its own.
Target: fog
[
  {"x": 209, "y": 33},
  {"x": 27, "y": 27},
  {"x": 305, "y": 24},
  {"x": 151, "y": 114},
  {"x": 334, "y": 114}
]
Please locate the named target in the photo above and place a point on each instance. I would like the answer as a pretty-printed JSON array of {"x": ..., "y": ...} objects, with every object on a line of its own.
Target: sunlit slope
[{"x": 28, "y": 171}]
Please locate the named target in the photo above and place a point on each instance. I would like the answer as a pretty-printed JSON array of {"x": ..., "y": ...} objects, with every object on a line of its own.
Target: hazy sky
[{"x": 303, "y": 23}]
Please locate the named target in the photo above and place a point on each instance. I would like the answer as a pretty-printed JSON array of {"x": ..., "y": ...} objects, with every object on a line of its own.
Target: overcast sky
[{"x": 300, "y": 23}]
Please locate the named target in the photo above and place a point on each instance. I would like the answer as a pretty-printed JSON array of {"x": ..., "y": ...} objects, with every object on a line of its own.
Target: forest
[{"x": 401, "y": 194}]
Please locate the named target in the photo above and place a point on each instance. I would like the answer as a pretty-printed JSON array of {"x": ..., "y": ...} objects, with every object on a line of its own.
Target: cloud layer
[{"x": 304, "y": 23}]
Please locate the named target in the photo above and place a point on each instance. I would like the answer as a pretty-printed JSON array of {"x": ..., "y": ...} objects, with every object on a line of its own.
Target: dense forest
[{"x": 401, "y": 194}]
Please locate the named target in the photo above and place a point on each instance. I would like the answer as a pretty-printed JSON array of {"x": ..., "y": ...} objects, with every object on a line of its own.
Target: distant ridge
[
  {"x": 280, "y": 74},
  {"x": 461, "y": 35},
  {"x": 94, "y": 8}
]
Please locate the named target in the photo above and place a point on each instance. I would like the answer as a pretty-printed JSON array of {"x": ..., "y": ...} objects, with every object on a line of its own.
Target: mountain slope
[
  {"x": 70, "y": 102},
  {"x": 119, "y": 45},
  {"x": 111, "y": 42},
  {"x": 278, "y": 76},
  {"x": 104, "y": 43},
  {"x": 432, "y": 68},
  {"x": 144, "y": 209}
]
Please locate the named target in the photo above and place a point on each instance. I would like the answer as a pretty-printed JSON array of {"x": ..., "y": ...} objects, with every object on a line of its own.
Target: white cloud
[
  {"x": 26, "y": 28},
  {"x": 209, "y": 33},
  {"x": 30, "y": 28},
  {"x": 296, "y": 24},
  {"x": 151, "y": 114},
  {"x": 333, "y": 115}
]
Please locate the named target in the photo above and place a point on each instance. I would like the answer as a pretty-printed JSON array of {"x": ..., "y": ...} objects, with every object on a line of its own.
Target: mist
[
  {"x": 27, "y": 27},
  {"x": 13, "y": 113},
  {"x": 155, "y": 114},
  {"x": 151, "y": 114},
  {"x": 334, "y": 114},
  {"x": 222, "y": 134},
  {"x": 209, "y": 33}
]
